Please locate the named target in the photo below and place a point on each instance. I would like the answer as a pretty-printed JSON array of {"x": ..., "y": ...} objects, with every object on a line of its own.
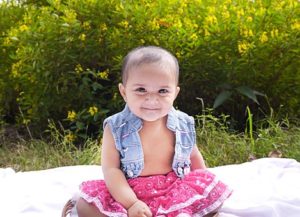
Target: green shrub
[
  {"x": 60, "y": 66},
  {"x": 10, "y": 15},
  {"x": 66, "y": 56}
]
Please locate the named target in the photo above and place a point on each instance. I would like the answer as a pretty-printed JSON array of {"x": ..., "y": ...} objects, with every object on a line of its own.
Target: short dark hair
[{"x": 148, "y": 55}]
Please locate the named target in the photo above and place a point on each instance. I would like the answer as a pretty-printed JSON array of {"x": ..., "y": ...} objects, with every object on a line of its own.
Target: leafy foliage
[
  {"x": 65, "y": 56},
  {"x": 9, "y": 16}
]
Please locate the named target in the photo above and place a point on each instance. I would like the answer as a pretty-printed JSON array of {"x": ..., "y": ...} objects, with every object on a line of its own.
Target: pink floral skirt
[{"x": 197, "y": 194}]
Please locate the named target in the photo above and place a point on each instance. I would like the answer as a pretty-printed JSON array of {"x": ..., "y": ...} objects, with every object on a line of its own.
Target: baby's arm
[
  {"x": 115, "y": 180},
  {"x": 197, "y": 159}
]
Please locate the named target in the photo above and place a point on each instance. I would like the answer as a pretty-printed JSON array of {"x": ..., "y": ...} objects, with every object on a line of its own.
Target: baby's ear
[
  {"x": 177, "y": 91},
  {"x": 122, "y": 91}
]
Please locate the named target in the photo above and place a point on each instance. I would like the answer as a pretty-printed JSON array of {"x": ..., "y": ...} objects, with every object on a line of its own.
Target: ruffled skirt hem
[{"x": 197, "y": 194}]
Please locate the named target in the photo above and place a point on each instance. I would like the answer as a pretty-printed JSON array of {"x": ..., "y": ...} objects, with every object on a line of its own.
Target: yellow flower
[
  {"x": 155, "y": 24},
  {"x": 194, "y": 37},
  {"x": 124, "y": 24},
  {"x": 247, "y": 33},
  {"x": 70, "y": 16},
  {"x": 240, "y": 13},
  {"x": 70, "y": 137},
  {"x": 78, "y": 69},
  {"x": 295, "y": 26},
  {"x": 211, "y": 19},
  {"x": 7, "y": 41},
  {"x": 71, "y": 115},
  {"x": 274, "y": 33},
  {"x": 15, "y": 69},
  {"x": 263, "y": 38},
  {"x": 249, "y": 19},
  {"x": 103, "y": 27},
  {"x": 243, "y": 47},
  {"x": 225, "y": 15},
  {"x": 250, "y": 33},
  {"x": 119, "y": 7},
  {"x": 82, "y": 37},
  {"x": 86, "y": 25},
  {"x": 104, "y": 74},
  {"x": 93, "y": 110},
  {"x": 178, "y": 24},
  {"x": 23, "y": 28}
]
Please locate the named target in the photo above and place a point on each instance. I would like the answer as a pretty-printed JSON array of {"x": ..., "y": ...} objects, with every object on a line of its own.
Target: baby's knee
[
  {"x": 85, "y": 209},
  {"x": 82, "y": 207}
]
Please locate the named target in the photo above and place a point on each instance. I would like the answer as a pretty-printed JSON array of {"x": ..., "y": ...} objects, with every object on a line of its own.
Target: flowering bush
[
  {"x": 8, "y": 17},
  {"x": 64, "y": 58}
]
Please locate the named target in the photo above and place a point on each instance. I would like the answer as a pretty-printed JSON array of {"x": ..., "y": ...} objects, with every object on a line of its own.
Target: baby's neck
[{"x": 155, "y": 125}]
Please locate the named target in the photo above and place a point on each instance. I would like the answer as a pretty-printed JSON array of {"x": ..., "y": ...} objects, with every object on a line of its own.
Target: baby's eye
[
  {"x": 140, "y": 90},
  {"x": 163, "y": 91}
]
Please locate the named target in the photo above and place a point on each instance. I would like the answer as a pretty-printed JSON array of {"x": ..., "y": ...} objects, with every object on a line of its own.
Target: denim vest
[{"x": 125, "y": 127}]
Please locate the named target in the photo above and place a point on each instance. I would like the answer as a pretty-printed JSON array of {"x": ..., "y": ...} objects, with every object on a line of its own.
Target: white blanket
[{"x": 268, "y": 187}]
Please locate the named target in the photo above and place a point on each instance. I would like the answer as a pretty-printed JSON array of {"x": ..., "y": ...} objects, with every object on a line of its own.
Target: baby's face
[{"x": 150, "y": 91}]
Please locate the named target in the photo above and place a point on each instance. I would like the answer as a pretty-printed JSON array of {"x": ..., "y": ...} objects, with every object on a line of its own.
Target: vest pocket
[{"x": 186, "y": 139}]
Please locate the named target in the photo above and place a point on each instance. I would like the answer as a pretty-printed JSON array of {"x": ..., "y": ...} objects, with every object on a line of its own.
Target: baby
[{"x": 150, "y": 160}]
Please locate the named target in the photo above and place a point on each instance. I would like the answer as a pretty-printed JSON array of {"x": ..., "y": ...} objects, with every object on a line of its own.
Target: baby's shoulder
[
  {"x": 184, "y": 118},
  {"x": 115, "y": 120},
  {"x": 122, "y": 121}
]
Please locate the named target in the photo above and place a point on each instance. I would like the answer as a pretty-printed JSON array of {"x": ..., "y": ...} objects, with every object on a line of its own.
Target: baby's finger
[{"x": 148, "y": 212}]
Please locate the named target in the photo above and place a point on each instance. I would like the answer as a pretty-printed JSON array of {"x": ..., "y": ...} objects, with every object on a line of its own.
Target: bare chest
[{"x": 158, "y": 150}]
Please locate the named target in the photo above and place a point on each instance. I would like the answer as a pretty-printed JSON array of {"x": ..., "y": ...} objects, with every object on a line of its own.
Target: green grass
[
  {"x": 32, "y": 154},
  {"x": 220, "y": 146},
  {"x": 217, "y": 143},
  {"x": 37, "y": 155}
]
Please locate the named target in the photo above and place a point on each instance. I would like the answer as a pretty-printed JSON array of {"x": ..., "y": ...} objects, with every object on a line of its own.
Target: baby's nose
[{"x": 151, "y": 97}]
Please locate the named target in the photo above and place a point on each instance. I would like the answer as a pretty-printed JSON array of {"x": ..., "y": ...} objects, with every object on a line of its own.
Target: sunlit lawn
[{"x": 218, "y": 146}]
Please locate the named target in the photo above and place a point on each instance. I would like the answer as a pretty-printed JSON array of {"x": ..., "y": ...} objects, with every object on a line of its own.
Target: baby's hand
[{"x": 139, "y": 209}]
